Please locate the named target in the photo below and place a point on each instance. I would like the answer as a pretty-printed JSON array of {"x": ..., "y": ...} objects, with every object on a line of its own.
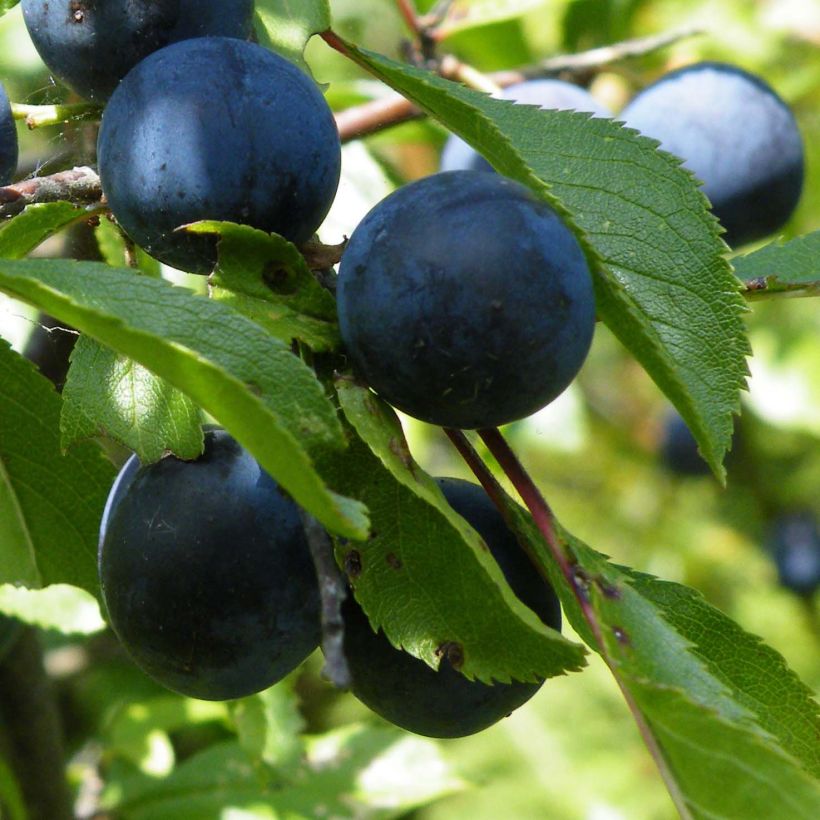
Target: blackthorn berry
[
  {"x": 216, "y": 128},
  {"x": 795, "y": 544},
  {"x": 90, "y": 46},
  {"x": 443, "y": 703},
  {"x": 679, "y": 449},
  {"x": 206, "y": 573},
  {"x": 546, "y": 93},
  {"x": 8, "y": 140},
  {"x": 465, "y": 301},
  {"x": 736, "y": 135}
]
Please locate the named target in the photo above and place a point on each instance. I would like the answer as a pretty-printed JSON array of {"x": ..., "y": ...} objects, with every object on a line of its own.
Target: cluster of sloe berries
[
  {"x": 463, "y": 300},
  {"x": 209, "y": 584},
  {"x": 204, "y": 566}
]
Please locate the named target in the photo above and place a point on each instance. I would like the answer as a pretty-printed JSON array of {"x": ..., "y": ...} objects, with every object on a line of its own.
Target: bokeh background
[{"x": 573, "y": 751}]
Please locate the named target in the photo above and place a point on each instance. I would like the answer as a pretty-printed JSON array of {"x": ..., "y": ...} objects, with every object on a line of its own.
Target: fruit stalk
[
  {"x": 37, "y": 116},
  {"x": 409, "y": 14},
  {"x": 332, "y": 593}
]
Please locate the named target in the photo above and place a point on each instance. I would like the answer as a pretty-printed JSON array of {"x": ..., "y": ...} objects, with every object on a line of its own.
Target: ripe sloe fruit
[
  {"x": 119, "y": 488},
  {"x": 795, "y": 543},
  {"x": 216, "y": 128},
  {"x": 443, "y": 703},
  {"x": 206, "y": 574},
  {"x": 546, "y": 93},
  {"x": 465, "y": 301},
  {"x": 90, "y": 46},
  {"x": 679, "y": 449},
  {"x": 736, "y": 135},
  {"x": 8, "y": 139}
]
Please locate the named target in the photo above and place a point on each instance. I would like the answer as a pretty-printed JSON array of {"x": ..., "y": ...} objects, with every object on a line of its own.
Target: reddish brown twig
[{"x": 80, "y": 186}]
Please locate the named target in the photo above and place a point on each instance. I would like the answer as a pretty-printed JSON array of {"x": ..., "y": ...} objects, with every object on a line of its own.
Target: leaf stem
[
  {"x": 544, "y": 520},
  {"x": 534, "y": 501},
  {"x": 410, "y": 17},
  {"x": 436, "y": 17}
]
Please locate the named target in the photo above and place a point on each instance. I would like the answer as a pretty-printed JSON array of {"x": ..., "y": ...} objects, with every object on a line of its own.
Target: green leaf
[
  {"x": 662, "y": 284},
  {"x": 422, "y": 571},
  {"x": 24, "y": 232},
  {"x": 11, "y": 797},
  {"x": 733, "y": 723},
  {"x": 757, "y": 676},
  {"x": 783, "y": 266},
  {"x": 60, "y": 607},
  {"x": 384, "y": 770},
  {"x": 7, "y": 5},
  {"x": 115, "y": 250},
  {"x": 250, "y": 382},
  {"x": 467, "y": 14},
  {"x": 266, "y": 278},
  {"x": 269, "y": 724},
  {"x": 286, "y": 25},
  {"x": 356, "y": 771},
  {"x": 139, "y": 731},
  {"x": 111, "y": 395},
  {"x": 50, "y": 503},
  {"x": 724, "y": 769},
  {"x": 267, "y": 267}
]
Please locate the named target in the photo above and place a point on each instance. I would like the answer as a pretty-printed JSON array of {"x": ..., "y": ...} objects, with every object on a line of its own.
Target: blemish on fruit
[
  {"x": 77, "y": 12},
  {"x": 353, "y": 564}
]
